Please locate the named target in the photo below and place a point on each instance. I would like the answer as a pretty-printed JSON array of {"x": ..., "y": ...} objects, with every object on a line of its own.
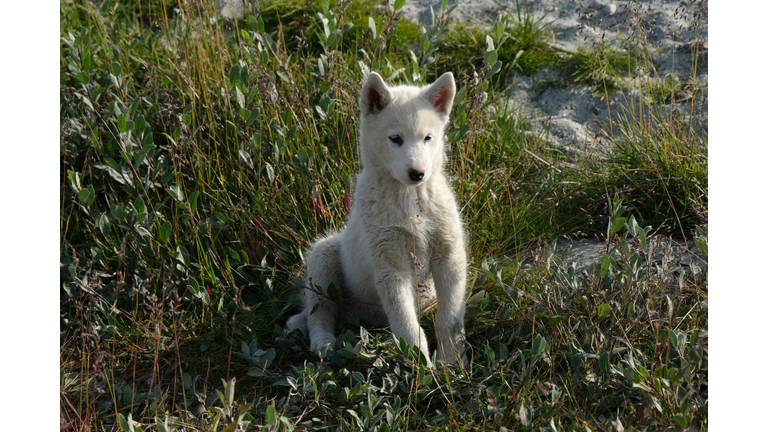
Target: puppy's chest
[
  {"x": 414, "y": 217},
  {"x": 413, "y": 230}
]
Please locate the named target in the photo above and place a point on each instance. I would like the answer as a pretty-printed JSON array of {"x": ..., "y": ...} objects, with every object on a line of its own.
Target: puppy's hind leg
[{"x": 323, "y": 270}]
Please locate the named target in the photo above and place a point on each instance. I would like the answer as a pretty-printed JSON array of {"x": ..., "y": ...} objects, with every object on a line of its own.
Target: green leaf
[
  {"x": 618, "y": 223},
  {"x": 182, "y": 255},
  {"x": 539, "y": 345},
  {"x": 498, "y": 29},
  {"x": 88, "y": 63},
  {"x": 270, "y": 172},
  {"x": 193, "y": 201},
  {"x": 142, "y": 231},
  {"x": 670, "y": 309},
  {"x": 604, "y": 363},
  {"x": 162, "y": 427},
  {"x": 74, "y": 180},
  {"x": 193, "y": 286},
  {"x": 91, "y": 195},
  {"x": 253, "y": 117},
  {"x": 491, "y": 57},
  {"x": 403, "y": 345},
  {"x": 495, "y": 69},
  {"x": 489, "y": 44},
  {"x": 240, "y": 97},
  {"x": 125, "y": 425},
  {"x": 603, "y": 310},
  {"x": 271, "y": 415},
  {"x": 121, "y": 123},
  {"x": 139, "y": 125},
  {"x": 103, "y": 223},
  {"x": 233, "y": 254},
  {"x": 284, "y": 76},
  {"x": 176, "y": 193},
  {"x": 606, "y": 265},
  {"x": 372, "y": 26},
  {"x": 632, "y": 226},
  {"x": 681, "y": 420},
  {"x": 229, "y": 392},
  {"x": 702, "y": 245},
  {"x": 200, "y": 292},
  {"x": 643, "y": 372},
  {"x": 116, "y": 211},
  {"x": 257, "y": 371},
  {"x": 83, "y": 78},
  {"x": 524, "y": 416},
  {"x": 246, "y": 158},
  {"x": 234, "y": 74},
  {"x": 84, "y": 195},
  {"x": 232, "y": 427},
  {"x": 164, "y": 232},
  {"x": 399, "y": 4},
  {"x": 139, "y": 206},
  {"x": 126, "y": 174},
  {"x": 629, "y": 374},
  {"x": 269, "y": 357}
]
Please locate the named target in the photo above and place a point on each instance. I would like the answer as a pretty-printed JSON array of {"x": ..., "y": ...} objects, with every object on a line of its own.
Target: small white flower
[{"x": 231, "y": 9}]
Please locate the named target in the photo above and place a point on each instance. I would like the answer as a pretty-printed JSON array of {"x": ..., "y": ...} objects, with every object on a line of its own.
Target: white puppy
[{"x": 404, "y": 233}]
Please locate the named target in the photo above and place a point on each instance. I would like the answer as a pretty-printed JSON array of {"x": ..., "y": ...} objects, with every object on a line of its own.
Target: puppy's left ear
[{"x": 441, "y": 92}]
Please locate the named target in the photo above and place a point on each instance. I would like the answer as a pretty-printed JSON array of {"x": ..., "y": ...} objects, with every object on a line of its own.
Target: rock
[
  {"x": 231, "y": 9},
  {"x": 567, "y": 131},
  {"x": 573, "y": 113}
]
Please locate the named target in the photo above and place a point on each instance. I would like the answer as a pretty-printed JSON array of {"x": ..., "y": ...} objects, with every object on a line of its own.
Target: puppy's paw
[
  {"x": 297, "y": 322},
  {"x": 454, "y": 355},
  {"x": 321, "y": 341}
]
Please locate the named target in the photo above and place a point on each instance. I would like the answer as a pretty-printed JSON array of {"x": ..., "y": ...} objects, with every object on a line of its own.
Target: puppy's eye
[
  {"x": 428, "y": 138},
  {"x": 396, "y": 139}
]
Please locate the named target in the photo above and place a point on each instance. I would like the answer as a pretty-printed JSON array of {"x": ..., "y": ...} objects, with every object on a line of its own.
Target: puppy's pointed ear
[
  {"x": 441, "y": 92},
  {"x": 375, "y": 95}
]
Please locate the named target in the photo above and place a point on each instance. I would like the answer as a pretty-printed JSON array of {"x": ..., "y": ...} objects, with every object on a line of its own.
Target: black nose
[{"x": 415, "y": 175}]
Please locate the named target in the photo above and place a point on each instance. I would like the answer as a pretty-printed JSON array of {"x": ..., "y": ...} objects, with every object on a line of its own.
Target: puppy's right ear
[{"x": 375, "y": 95}]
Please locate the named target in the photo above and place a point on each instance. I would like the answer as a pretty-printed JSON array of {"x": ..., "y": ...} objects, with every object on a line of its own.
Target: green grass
[
  {"x": 600, "y": 67},
  {"x": 528, "y": 47},
  {"x": 662, "y": 91},
  {"x": 524, "y": 45},
  {"x": 199, "y": 158}
]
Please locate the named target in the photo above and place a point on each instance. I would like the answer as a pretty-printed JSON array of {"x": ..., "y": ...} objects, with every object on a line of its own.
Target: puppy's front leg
[
  {"x": 449, "y": 272},
  {"x": 397, "y": 291}
]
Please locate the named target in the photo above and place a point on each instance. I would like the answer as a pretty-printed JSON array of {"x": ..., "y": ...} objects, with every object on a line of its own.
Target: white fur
[{"x": 370, "y": 262}]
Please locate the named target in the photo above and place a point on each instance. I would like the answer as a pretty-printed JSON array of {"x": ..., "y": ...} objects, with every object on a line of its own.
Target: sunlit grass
[{"x": 200, "y": 157}]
